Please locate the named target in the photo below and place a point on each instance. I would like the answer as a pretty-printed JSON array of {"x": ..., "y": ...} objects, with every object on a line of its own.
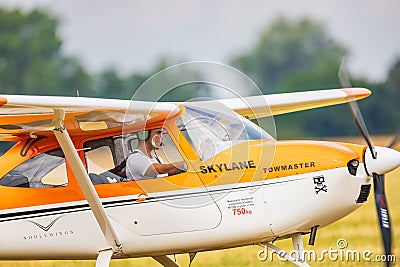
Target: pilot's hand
[{"x": 181, "y": 165}]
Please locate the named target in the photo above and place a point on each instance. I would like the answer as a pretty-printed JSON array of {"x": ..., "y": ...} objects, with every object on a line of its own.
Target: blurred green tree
[
  {"x": 393, "y": 81},
  {"x": 297, "y": 56},
  {"x": 168, "y": 83},
  {"x": 110, "y": 85},
  {"x": 290, "y": 56},
  {"x": 30, "y": 57},
  {"x": 382, "y": 110},
  {"x": 293, "y": 56}
]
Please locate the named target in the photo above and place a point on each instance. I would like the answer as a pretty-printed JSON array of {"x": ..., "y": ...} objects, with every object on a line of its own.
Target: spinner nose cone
[{"x": 387, "y": 159}]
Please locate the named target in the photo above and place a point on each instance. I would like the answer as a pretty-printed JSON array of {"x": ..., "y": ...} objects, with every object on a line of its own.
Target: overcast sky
[{"x": 132, "y": 35}]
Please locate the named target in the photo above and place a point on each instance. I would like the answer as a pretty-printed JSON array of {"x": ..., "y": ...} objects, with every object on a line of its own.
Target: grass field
[{"x": 360, "y": 230}]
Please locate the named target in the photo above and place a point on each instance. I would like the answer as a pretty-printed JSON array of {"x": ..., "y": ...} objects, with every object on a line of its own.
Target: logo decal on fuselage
[
  {"x": 46, "y": 231},
  {"x": 288, "y": 167},
  {"x": 319, "y": 184},
  {"x": 228, "y": 166},
  {"x": 47, "y": 227}
]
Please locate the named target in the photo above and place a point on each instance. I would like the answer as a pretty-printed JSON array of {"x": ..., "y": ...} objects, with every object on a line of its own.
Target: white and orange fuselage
[
  {"x": 247, "y": 191},
  {"x": 238, "y": 197}
]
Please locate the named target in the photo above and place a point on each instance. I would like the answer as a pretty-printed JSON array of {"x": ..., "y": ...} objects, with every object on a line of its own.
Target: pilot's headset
[{"x": 145, "y": 135}]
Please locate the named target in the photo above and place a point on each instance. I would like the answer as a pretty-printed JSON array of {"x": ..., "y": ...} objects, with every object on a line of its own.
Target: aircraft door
[
  {"x": 173, "y": 203},
  {"x": 181, "y": 202}
]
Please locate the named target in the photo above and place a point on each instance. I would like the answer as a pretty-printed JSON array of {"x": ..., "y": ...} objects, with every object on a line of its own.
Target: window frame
[{"x": 169, "y": 127}]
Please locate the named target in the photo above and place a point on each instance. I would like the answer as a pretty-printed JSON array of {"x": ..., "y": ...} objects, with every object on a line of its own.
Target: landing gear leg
[
  {"x": 104, "y": 258},
  {"x": 298, "y": 247}
]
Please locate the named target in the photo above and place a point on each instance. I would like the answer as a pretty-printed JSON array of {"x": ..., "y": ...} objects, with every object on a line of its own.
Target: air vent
[{"x": 364, "y": 193}]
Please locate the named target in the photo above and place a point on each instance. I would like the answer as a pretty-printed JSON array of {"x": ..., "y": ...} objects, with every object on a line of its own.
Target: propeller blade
[
  {"x": 343, "y": 75},
  {"x": 362, "y": 127},
  {"x": 395, "y": 138},
  {"x": 355, "y": 110},
  {"x": 379, "y": 180},
  {"x": 383, "y": 214}
]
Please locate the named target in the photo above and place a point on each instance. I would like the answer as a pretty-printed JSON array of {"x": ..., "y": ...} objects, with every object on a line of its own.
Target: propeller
[
  {"x": 378, "y": 161},
  {"x": 355, "y": 110}
]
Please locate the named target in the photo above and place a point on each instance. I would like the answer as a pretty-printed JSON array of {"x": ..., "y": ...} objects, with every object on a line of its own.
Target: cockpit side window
[
  {"x": 45, "y": 170},
  {"x": 210, "y": 131},
  {"x": 106, "y": 158},
  {"x": 5, "y": 146}
]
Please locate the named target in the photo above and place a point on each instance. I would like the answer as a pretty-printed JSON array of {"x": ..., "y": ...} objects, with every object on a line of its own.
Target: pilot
[{"x": 144, "y": 163}]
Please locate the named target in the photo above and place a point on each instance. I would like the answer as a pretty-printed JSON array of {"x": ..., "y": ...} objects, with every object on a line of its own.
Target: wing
[
  {"x": 268, "y": 105},
  {"x": 20, "y": 115}
]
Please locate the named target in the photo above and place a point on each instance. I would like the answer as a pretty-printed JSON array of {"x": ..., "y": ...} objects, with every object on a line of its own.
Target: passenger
[
  {"x": 31, "y": 172},
  {"x": 144, "y": 163}
]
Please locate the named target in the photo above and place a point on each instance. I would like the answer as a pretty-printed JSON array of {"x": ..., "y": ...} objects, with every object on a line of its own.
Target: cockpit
[{"x": 208, "y": 130}]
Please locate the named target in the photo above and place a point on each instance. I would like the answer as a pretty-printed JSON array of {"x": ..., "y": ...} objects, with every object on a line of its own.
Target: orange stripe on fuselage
[
  {"x": 299, "y": 157},
  {"x": 228, "y": 168},
  {"x": 289, "y": 158}
]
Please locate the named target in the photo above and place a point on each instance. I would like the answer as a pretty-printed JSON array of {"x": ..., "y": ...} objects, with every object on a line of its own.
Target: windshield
[{"x": 211, "y": 131}]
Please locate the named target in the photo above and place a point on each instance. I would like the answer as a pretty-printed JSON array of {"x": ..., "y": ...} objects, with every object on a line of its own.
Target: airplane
[{"x": 65, "y": 193}]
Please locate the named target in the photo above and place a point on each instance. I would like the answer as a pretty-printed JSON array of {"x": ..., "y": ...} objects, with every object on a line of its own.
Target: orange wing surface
[{"x": 21, "y": 115}]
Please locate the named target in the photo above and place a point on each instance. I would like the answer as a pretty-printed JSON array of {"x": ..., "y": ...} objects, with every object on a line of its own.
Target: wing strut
[{"x": 83, "y": 179}]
